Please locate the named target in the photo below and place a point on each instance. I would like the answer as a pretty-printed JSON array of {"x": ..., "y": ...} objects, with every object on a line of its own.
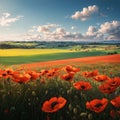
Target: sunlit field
[
  {"x": 20, "y": 56},
  {"x": 76, "y": 91},
  {"x": 30, "y": 52},
  {"x": 84, "y": 92}
]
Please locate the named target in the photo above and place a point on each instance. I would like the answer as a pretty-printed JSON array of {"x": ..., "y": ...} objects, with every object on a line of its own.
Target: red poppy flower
[
  {"x": 106, "y": 88},
  {"x": 82, "y": 85},
  {"x": 97, "y": 105},
  {"x": 68, "y": 76},
  {"x": 114, "y": 82},
  {"x": 9, "y": 71},
  {"x": 52, "y": 73},
  {"x": 54, "y": 104},
  {"x": 69, "y": 68},
  {"x": 101, "y": 78},
  {"x": 4, "y": 74},
  {"x": 34, "y": 75},
  {"x": 116, "y": 101},
  {"x": 21, "y": 78},
  {"x": 43, "y": 72},
  {"x": 90, "y": 74}
]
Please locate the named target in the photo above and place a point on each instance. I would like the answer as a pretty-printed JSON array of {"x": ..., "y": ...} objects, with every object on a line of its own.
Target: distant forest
[{"x": 48, "y": 44}]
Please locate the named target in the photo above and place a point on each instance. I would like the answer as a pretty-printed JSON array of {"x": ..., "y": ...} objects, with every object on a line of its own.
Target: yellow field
[{"x": 28, "y": 52}]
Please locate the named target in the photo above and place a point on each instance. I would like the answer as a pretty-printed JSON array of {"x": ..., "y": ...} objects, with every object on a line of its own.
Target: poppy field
[{"x": 69, "y": 92}]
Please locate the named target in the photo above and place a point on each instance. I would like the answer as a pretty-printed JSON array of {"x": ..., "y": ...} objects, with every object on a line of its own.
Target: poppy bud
[
  {"x": 83, "y": 114},
  {"x": 33, "y": 93},
  {"x": 89, "y": 116},
  {"x": 70, "y": 107},
  {"x": 75, "y": 110}
]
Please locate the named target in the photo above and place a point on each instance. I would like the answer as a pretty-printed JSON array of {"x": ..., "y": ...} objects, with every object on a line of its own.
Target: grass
[
  {"x": 20, "y": 56},
  {"x": 9, "y": 60}
]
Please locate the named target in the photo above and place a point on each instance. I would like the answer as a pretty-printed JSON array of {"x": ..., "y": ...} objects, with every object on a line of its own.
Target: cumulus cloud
[
  {"x": 6, "y": 19},
  {"x": 104, "y": 31},
  {"x": 32, "y": 29},
  {"x": 46, "y": 28},
  {"x": 110, "y": 27},
  {"x": 111, "y": 30},
  {"x": 107, "y": 30},
  {"x": 32, "y": 37},
  {"x": 85, "y": 13},
  {"x": 92, "y": 31},
  {"x": 60, "y": 31}
]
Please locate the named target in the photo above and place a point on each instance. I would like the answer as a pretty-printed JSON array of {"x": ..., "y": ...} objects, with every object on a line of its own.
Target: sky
[{"x": 59, "y": 20}]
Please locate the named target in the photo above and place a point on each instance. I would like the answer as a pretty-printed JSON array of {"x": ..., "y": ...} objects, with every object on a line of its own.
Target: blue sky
[{"x": 59, "y": 20}]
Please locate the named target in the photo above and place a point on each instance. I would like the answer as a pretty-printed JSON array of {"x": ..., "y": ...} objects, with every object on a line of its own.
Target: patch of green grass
[{"x": 47, "y": 57}]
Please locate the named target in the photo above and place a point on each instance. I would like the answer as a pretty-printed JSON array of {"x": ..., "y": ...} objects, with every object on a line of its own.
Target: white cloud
[
  {"x": 73, "y": 27},
  {"x": 85, "y": 13},
  {"x": 32, "y": 37},
  {"x": 12, "y": 37},
  {"x": 43, "y": 29},
  {"x": 46, "y": 28},
  {"x": 6, "y": 20},
  {"x": 92, "y": 31},
  {"x": 107, "y": 30},
  {"x": 32, "y": 29},
  {"x": 60, "y": 31},
  {"x": 6, "y": 15},
  {"x": 110, "y": 27}
]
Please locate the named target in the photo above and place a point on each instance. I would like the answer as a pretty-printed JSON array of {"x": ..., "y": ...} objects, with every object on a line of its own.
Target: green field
[{"x": 19, "y": 56}]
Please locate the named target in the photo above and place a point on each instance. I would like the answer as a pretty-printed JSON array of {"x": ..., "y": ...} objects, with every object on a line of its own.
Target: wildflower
[
  {"x": 106, "y": 88},
  {"x": 21, "y": 78},
  {"x": 9, "y": 71},
  {"x": 69, "y": 68},
  {"x": 116, "y": 102},
  {"x": 68, "y": 76},
  {"x": 34, "y": 75},
  {"x": 114, "y": 82},
  {"x": 54, "y": 104},
  {"x": 82, "y": 85},
  {"x": 101, "y": 78},
  {"x": 90, "y": 74},
  {"x": 97, "y": 105}
]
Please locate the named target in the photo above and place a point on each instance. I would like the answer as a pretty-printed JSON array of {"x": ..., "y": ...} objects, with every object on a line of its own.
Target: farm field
[
  {"x": 20, "y": 56},
  {"x": 74, "y": 61}
]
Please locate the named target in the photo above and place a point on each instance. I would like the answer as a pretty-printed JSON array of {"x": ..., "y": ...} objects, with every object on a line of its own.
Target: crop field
[
  {"x": 30, "y": 52},
  {"x": 20, "y": 56},
  {"x": 67, "y": 92}
]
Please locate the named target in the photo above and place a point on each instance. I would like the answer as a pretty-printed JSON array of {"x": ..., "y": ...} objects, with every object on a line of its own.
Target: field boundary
[{"x": 84, "y": 60}]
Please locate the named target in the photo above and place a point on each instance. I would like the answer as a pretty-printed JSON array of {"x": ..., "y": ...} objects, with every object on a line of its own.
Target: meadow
[
  {"x": 63, "y": 92},
  {"x": 86, "y": 92}
]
